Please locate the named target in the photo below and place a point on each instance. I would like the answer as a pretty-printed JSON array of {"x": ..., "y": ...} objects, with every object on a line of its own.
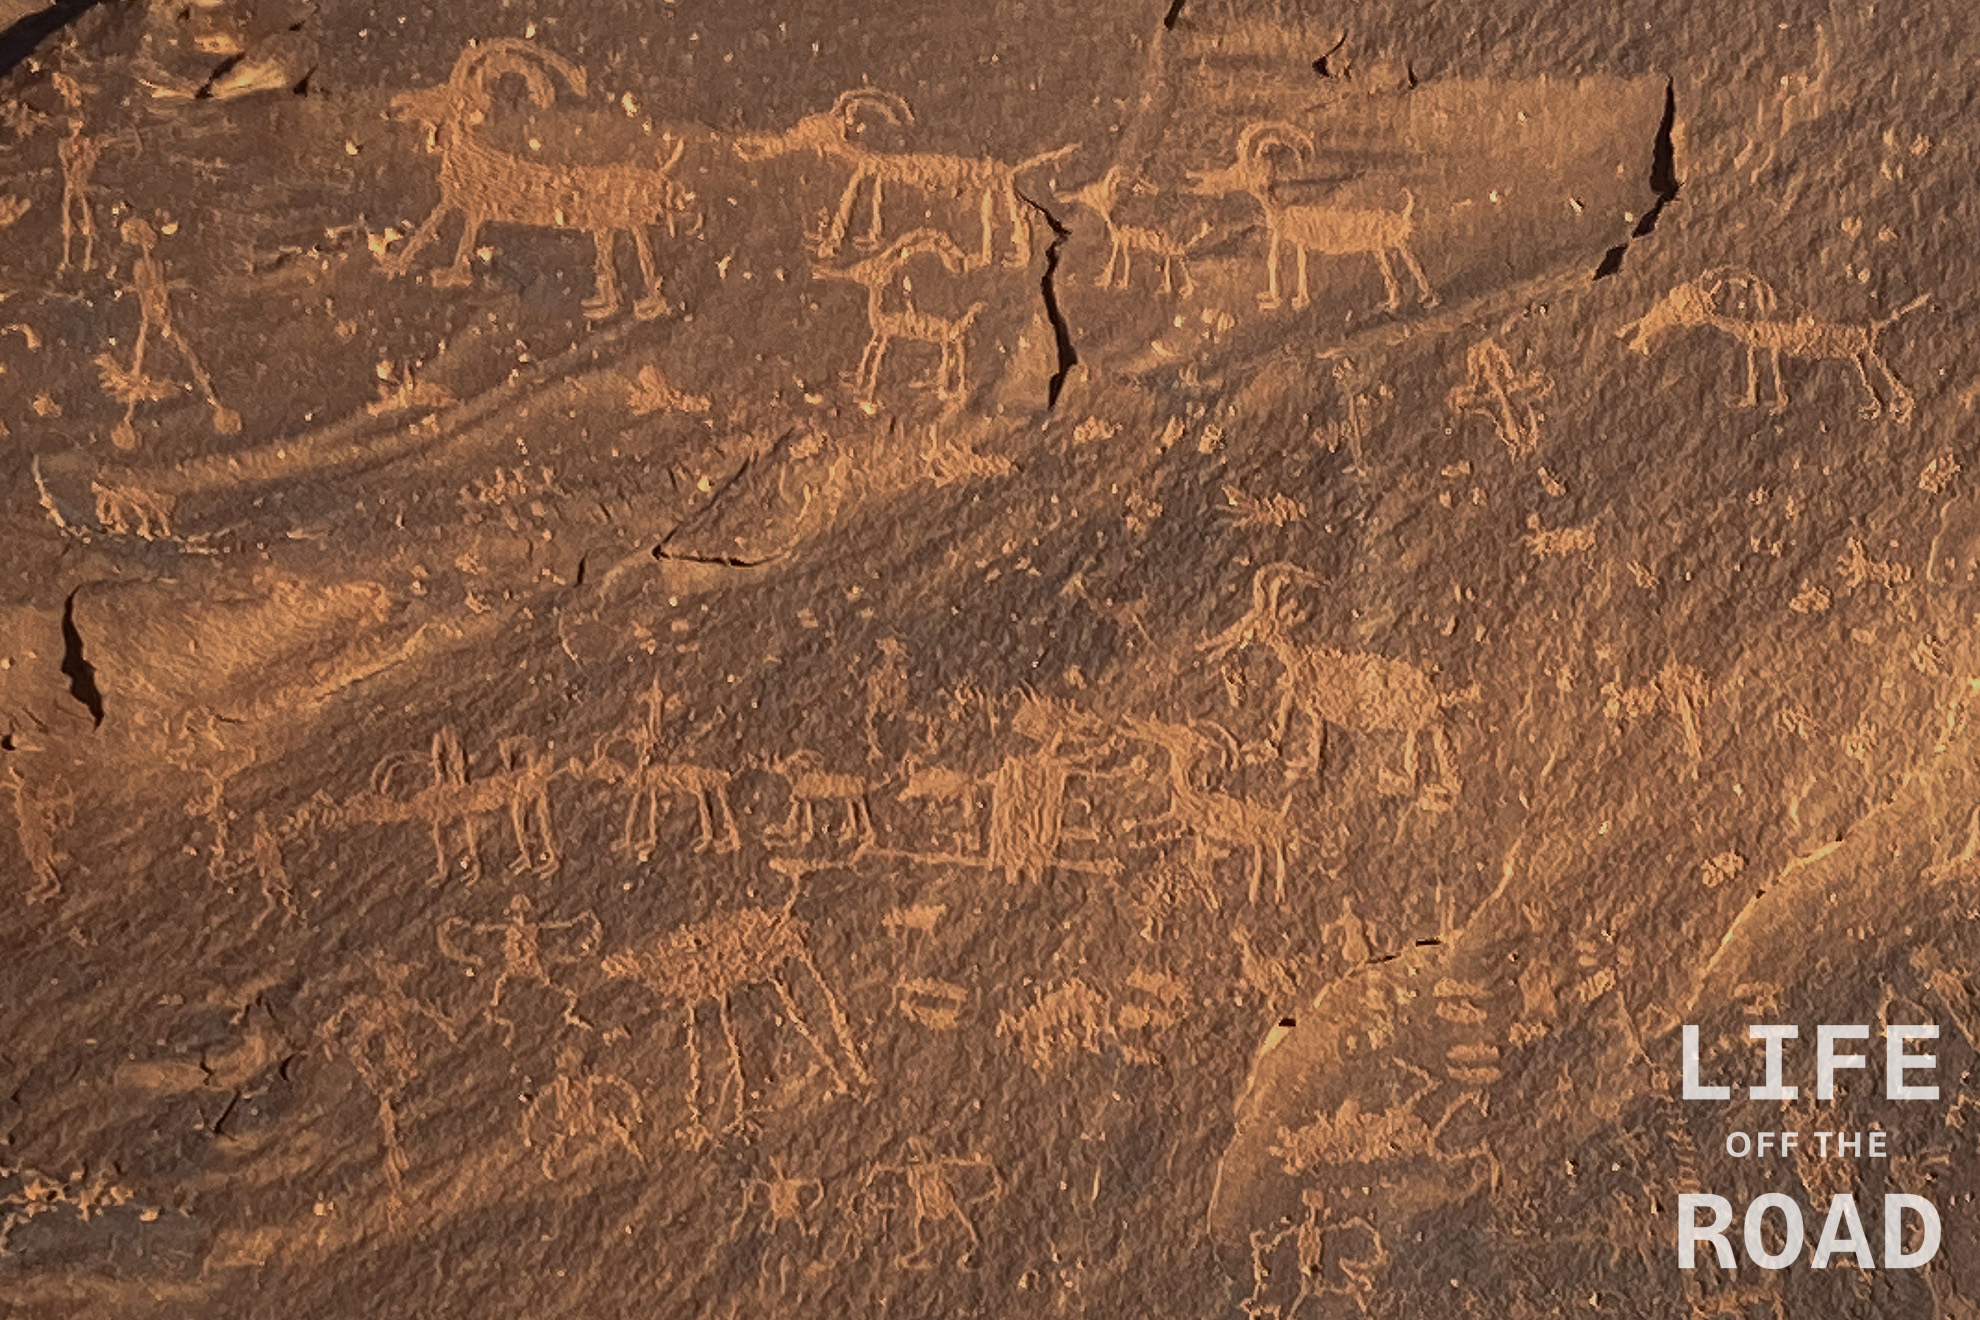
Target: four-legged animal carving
[
  {"x": 1353, "y": 689},
  {"x": 829, "y": 134},
  {"x": 1741, "y": 306},
  {"x": 1103, "y": 198},
  {"x": 1216, "y": 818},
  {"x": 711, "y": 960},
  {"x": 810, "y": 783},
  {"x": 905, "y": 320},
  {"x": 652, "y": 780},
  {"x": 454, "y": 800},
  {"x": 1311, "y": 226},
  {"x": 483, "y": 184}
]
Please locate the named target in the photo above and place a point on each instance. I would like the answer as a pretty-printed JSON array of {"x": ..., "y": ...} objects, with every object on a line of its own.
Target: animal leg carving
[
  {"x": 604, "y": 300},
  {"x": 652, "y": 304},
  {"x": 1427, "y": 296},
  {"x": 1389, "y": 279}
]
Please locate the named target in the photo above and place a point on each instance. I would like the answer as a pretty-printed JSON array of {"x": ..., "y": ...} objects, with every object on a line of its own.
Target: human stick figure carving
[
  {"x": 785, "y": 1200},
  {"x": 454, "y": 801},
  {"x": 1103, "y": 198},
  {"x": 652, "y": 780},
  {"x": 1503, "y": 395},
  {"x": 586, "y": 1110},
  {"x": 1216, "y": 818},
  {"x": 1313, "y": 226},
  {"x": 78, "y": 154},
  {"x": 374, "y": 1030},
  {"x": 485, "y": 185},
  {"x": 40, "y": 811},
  {"x": 523, "y": 954},
  {"x": 129, "y": 385},
  {"x": 935, "y": 1200},
  {"x": 830, "y": 135},
  {"x": 1743, "y": 307},
  {"x": 1352, "y": 689},
  {"x": 900, "y": 317},
  {"x": 709, "y": 961}
]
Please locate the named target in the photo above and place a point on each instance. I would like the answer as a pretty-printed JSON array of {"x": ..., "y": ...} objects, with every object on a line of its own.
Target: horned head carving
[
  {"x": 1257, "y": 138},
  {"x": 1267, "y": 585},
  {"x": 892, "y": 108},
  {"x": 480, "y": 65}
]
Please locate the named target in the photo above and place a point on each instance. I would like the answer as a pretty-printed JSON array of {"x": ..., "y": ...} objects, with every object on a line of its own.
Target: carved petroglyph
[
  {"x": 1743, "y": 307},
  {"x": 1251, "y": 511},
  {"x": 1678, "y": 690},
  {"x": 129, "y": 385},
  {"x": 1360, "y": 395},
  {"x": 1028, "y": 793},
  {"x": 485, "y": 185},
  {"x": 40, "y": 811},
  {"x": 1503, "y": 395},
  {"x": 653, "y": 780},
  {"x": 932, "y": 1003},
  {"x": 938, "y": 786},
  {"x": 523, "y": 954},
  {"x": 811, "y": 783},
  {"x": 454, "y": 801},
  {"x": 786, "y": 1200},
  {"x": 937, "y": 1208},
  {"x": 374, "y": 1030},
  {"x": 830, "y": 134},
  {"x": 78, "y": 154},
  {"x": 1058, "y": 1025},
  {"x": 1316, "y": 1259},
  {"x": 1103, "y": 198},
  {"x": 928, "y": 1001},
  {"x": 708, "y": 962},
  {"x": 1074, "y": 1018},
  {"x": 582, "y": 1113},
  {"x": 900, "y": 317},
  {"x": 132, "y": 510},
  {"x": 1352, "y": 689},
  {"x": 1309, "y": 227},
  {"x": 1354, "y": 1136},
  {"x": 651, "y": 393},
  {"x": 1216, "y": 818}
]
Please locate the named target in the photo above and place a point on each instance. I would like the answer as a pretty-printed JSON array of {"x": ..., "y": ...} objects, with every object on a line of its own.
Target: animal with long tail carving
[{"x": 830, "y": 134}]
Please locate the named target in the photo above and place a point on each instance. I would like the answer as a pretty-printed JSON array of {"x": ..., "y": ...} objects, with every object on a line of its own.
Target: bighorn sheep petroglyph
[
  {"x": 1311, "y": 226},
  {"x": 1353, "y": 689},
  {"x": 1739, "y": 304},
  {"x": 905, "y": 319},
  {"x": 1103, "y": 198},
  {"x": 830, "y": 134},
  {"x": 484, "y": 184}
]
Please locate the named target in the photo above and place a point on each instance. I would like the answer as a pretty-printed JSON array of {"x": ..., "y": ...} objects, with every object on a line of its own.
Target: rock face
[{"x": 803, "y": 661}]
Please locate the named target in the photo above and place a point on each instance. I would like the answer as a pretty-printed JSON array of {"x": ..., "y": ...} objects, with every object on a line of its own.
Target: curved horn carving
[
  {"x": 891, "y": 107},
  {"x": 1273, "y": 133}
]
